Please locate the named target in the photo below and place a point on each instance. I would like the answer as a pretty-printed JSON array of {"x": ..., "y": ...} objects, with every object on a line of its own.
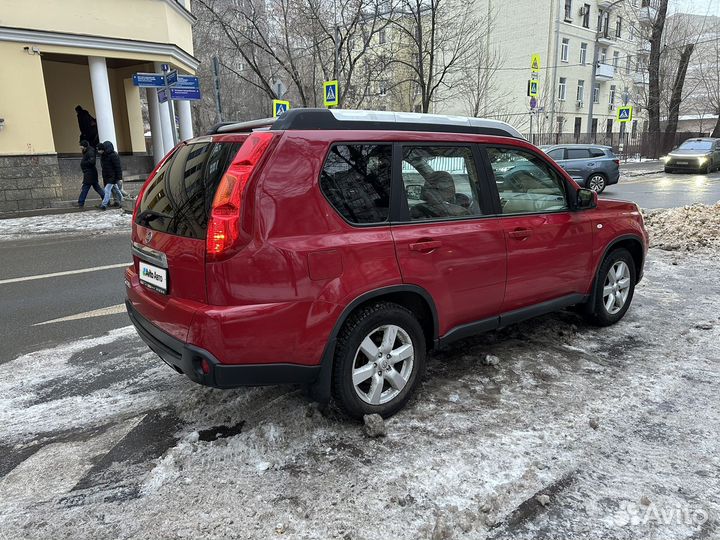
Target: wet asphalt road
[{"x": 660, "y": 190}]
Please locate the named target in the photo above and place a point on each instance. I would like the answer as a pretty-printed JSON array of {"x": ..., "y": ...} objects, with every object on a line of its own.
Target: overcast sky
[{"x": 700, "y": 7}]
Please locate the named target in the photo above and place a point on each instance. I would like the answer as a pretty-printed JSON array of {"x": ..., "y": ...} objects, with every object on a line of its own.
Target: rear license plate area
[{"x": 153, "y": 277}]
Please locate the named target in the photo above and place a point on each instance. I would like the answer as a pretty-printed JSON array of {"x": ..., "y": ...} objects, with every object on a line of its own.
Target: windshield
[{"x": 696, "y": 145}]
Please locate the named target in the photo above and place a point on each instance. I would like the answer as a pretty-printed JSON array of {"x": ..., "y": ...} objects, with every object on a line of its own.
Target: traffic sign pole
[{"x": 165, "y": 69}]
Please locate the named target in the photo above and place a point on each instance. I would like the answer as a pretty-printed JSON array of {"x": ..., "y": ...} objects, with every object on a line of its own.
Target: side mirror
[{"x": 586, "y": 199}]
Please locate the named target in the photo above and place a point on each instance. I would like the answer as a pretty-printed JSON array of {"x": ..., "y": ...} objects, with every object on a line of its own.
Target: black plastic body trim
[
  {"x": 638, "y": 271},
  {"x": 186, "y": 359}
]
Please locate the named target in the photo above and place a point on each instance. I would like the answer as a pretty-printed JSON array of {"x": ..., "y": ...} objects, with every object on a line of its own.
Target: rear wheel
[
  {"x": 379, "y": 360},
  {"x": 597, "y": 183},
  {"x": 614, "y": 289},
  {"x": 668, "y": 170}
]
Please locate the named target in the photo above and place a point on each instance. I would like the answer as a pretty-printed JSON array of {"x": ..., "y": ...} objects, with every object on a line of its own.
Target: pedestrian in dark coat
[
  {"x": 111, "y": 173},
  {"x": 88, "y": 126},
  {"x": 89, "y": 172}
]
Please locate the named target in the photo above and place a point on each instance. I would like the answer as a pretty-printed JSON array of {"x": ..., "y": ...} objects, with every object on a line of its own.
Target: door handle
[
  {"x": 425, "y": 246},
  {"x": 520, "y": 234}
]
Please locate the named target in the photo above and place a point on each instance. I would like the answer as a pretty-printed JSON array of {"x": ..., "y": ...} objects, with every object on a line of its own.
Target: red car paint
[{"x": 278, "y": 298}]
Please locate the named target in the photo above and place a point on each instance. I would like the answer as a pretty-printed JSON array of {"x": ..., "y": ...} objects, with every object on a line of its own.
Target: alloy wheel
[
  {"x": 596, "y": 183},
  {"x": 383, "y": 364},
  {"x": 617, "y": 287}
]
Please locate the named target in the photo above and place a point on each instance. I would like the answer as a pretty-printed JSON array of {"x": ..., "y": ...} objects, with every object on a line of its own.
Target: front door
[
  {"x": 549, "y": 245},
  {"x": 445, "y": 241}
]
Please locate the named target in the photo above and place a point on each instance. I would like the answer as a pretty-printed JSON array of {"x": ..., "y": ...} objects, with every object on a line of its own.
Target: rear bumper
[{"x": 188, "y": 360}]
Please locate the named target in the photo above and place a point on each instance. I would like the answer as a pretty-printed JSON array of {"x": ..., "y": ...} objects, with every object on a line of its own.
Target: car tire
[
  {"x": 364, "y": 385},
  {"x": 597, "y": 182},
  {"x": 600, "y": 311},
  {"x": 668, "y": 170}
]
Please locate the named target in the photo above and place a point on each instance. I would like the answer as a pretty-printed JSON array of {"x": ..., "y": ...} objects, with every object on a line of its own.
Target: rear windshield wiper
[{"x": 146, "y": 216}]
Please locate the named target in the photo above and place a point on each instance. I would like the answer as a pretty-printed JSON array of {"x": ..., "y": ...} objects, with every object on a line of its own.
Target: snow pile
[
  {"x": 96, "y": 222},
  {"x": 687, "y": 228}
]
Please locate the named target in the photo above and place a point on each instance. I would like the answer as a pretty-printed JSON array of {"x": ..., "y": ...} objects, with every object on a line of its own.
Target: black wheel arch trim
[
  {"x": 608, "y": 249},
  {"x": 320, "y": 389}
]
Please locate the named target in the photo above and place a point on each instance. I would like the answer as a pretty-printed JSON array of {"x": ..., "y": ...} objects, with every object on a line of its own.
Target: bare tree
[
  {"x": 676, "y": 97},
  {"x": 435, "y": 42},
  {"x": 709, "y": 74},
  {"x": 653, "y": 103}
]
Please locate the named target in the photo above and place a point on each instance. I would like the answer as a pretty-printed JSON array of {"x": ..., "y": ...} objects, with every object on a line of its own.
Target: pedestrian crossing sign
[
  {"x": 625, "y": 113},
  {"x": 330, "y": 93},
  {"x": 280, "y": 107},
  {"x": 535, "y": 63},
  {"x": 533, "y": 88}
]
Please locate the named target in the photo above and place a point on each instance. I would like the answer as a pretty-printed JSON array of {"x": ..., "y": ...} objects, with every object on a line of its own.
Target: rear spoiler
[{"x": 240, "y": 127}]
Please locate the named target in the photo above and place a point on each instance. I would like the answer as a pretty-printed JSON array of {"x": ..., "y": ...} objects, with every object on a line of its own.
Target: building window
[
  {"x": 608, "y": 128},
  {"x": 633, "y": 133},
  {"x": 580, "y": 96},
  {"x": 562, "y": 89},
  {"x": 568, "y": 10},
  {"x": 628, "y": 64},
  {"x": 596, "y": 93},
  {"x": 603, "y": 55},
  {"x": 381, "y": 36},
  {"x": 565, "y": 50},
  {"x": 583, "y": 53},
  {"x": 616, "y": 59},
  {"x": 594, "y": 126},
  {"x": 578, "y": 126},
  {"x": 632, "y": 33},
  {"x": 618, "y": 27},
  {"x": 611, "y": 99},
  {"x": 560, "y": 124},
  {"x": 382, "y": 88},
  {"x": 586, "y": 16}
]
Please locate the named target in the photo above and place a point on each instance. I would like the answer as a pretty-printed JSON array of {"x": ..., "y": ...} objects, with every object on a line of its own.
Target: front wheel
[
  {"x": 614, "y": 289},
  {"x": 597, "y": 183},
  {"x": 379, "y": 360}
]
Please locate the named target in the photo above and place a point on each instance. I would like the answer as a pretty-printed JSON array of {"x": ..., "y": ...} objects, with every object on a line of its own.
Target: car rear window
[
  {"x": 356, "y": 181},
  {"x": 178, "y": 199}
]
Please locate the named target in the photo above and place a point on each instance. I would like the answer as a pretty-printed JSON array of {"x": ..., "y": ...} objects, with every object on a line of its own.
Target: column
[
  {"x": 155, "y": 125},
  {"x": 167, "y": 127},
  {"x": 135, "y": 119},
  {"x": 101, "y": 99},
  {"x": 184, "y": 112}
]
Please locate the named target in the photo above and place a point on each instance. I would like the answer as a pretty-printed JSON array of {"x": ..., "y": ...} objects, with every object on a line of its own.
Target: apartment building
[{"x": 593, "y": 59}]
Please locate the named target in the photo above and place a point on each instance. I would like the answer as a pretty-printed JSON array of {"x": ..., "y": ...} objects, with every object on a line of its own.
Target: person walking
[
  {"x": 88, "y": 126},
  {"x": 111, "y": 173},
  {"x": 90, "y": 174}
]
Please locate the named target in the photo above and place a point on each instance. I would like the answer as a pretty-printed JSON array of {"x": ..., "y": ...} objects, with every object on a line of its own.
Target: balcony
[
  {"x": 640, "y": 78},
  {"x": 605, "y": 37},
  {"x": 646, "y": 15},
  {"x": 604, "y": 72}
]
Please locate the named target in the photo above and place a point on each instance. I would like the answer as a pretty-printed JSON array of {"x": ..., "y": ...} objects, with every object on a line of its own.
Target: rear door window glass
[
  {"x": 440, "y": 182},
  {"x": 178, "y": 199},
  {"x": 578, "y": 153},
  {"x": 356, "y": 181},
  {"x": 597, "y": 152}
]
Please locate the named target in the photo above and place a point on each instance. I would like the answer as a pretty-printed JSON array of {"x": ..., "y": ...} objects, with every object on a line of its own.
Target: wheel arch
[
  {"x": 634, "y": 245},
  {"x": 413, "y": 297}
]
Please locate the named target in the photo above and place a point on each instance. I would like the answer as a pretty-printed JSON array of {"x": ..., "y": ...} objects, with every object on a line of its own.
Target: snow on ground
[
  {"x": 94, "y": 221},
  {"x": 616, "y": 430},
  {"x": 684, "y": 228}
]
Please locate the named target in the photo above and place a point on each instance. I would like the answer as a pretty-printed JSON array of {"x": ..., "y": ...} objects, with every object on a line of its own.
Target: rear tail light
[
  {"x": 224, "y": 231},
  {"x": 616, "y": 162}
]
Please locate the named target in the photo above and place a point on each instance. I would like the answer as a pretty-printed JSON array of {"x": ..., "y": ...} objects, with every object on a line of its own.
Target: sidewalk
[{"x": 632, "y": 169}]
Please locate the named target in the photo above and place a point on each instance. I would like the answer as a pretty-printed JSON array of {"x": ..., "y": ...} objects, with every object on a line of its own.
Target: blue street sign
[
  {"x": 533, "y": 102},
  {"x": 149, "y": 80},
  {"x": 172, "y": 77},
  {"x": 165, "y": 67},
  {"x": 625, "y": 113},
  {"x": 191, "y": 94},
  {"x": 187, "y": 82},
  {"x": 162, "y": 96}
]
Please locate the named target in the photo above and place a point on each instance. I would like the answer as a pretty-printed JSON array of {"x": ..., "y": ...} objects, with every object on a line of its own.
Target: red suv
[{"x": 334, "y": 248}]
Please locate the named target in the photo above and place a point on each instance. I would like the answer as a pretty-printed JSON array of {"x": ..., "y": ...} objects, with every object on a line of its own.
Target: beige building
[
  {"x": 59, "y": 54},
  {"x": 592, "y": 57}
]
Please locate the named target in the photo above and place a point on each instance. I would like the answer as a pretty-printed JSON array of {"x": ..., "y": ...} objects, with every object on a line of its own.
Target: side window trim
[{"x": 551, "y": 166}]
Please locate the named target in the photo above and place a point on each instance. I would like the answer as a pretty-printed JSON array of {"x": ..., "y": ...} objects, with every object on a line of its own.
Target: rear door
[
  {"x": 549, "y": 246},
  {"x": 445, "y": 239},
  {"x": 169, "y": 233},
  {"x": 578, "y": 162}
]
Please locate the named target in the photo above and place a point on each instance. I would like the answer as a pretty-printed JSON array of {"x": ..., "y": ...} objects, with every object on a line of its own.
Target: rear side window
[
  {"x": 178, "y": 199},
  {"x": 356, "y": 181},
  {"x": 577, "y": 153},
  {"x": 597, "y": 152}
]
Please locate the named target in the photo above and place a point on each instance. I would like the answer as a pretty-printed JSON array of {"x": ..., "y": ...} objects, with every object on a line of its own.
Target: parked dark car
[
  {"x": 698, "y": 155},
  {"x": 592, "y": 166},
  {"x": 335, "y": 248}
]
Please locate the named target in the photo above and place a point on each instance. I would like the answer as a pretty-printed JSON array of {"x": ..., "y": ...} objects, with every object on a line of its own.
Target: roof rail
[
  {"x": 239, "y": 127},
  {"x": 344, "y": 119}
]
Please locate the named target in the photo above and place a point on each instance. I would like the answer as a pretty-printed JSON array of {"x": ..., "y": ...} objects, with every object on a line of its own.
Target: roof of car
[
  {"x": 552, "y": 146},
  {"x": 697, "y": 139},
  {"x": 346, "y": 119}
]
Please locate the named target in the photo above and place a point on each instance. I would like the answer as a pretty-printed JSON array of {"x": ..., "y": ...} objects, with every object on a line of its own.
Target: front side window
[
  {"x": 440, "y": 182},
  {"x": 525, "y": 183},
  {"x": 556, "y": 154},
  {"x": 356, "y": 181}
]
